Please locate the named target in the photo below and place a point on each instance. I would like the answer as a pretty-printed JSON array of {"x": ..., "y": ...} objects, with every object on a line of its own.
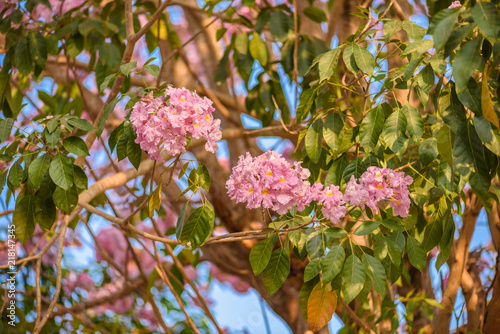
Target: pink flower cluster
[
  {"x": 166, "y": 123},
  {"x": 378, "y": 186},
  {"x": 271, "y": 182},
  {"x": 455, "y": 4}
]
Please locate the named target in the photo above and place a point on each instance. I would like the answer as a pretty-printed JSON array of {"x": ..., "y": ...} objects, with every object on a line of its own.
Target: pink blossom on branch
[
  {"x": 166, "y": 123},
  {"x": 271, "y": 182},
  {"x": 386, "y": 184}
]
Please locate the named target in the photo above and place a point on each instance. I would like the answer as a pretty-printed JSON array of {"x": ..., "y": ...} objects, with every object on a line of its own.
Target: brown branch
[
  {"x": 355, "y": 317},
  {"x": 164, "y": 277},
  {"x": 59, "y": 277}
]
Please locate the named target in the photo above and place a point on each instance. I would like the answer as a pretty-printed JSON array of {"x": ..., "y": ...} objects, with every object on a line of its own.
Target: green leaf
[
  {"x": 469, "y": 158},
  {"x": 76, "y": 145},
  {"x": 53, "y": 123},
  {"x": 392, "y": 27},
  {"x": 334, "y": 174},
  {"x": 107, "y": 81},
  {"x": 203, "y": 176},
  {"x": 489, "y": 136},
  {"x": 316, "y": 244},
  {"x": 241, "y": 43},
  {"x": 335, "y": 232},
  {"x": 80, "y": 178},
  {"x": 416, "y": 253},
  {"x": 364, "y": 59},
  {"x": 327, "y": 63},
  {"x": 261, "y": 254},
  {"x": 280, "y": 25},
  {"x": 221, "y": 72},
  {"x": 38, "y": 49},
  {"x": 152, "y": 69},
  {"x": 306, "y": 103},
  {"x": 353, "y": 278},
  {"x": 45, "y": 212},
  {"x": 415, "y": 32},
  {"x": 428, "y": 151},
  {"x": 127, "y": 68},
  {"x": 23, "y": 219},
  {"x": 316, "y": 14},
  {"x": 381, "y": 249},
  {"x": 81, "y": 124},
  {"x": 312, "y": 269},
  {"x": 366, "y": 228},
  {"x": 134, "y": 153},
  {"x": 446, "y": 242},
  {"x": 376, "y": 272},
  {"x": 109, "y": 55},
  {"x": 371, "y": 128},
  {"x": 394, "y": 130},
  {"x": 419, "y": 47},
  {"x": 65, "y": 200},
  {"x": 414, "y": 122},
  {"x": 485, "y": 14},
  {"x": 199, "y": 225},
  {"x": 22, "y": 57},
  {"x": 435, "y": 228},
  {"x": 258, "y": 49},
  {"x": 107, "y": 110},
  {"x": 321, "y": 306},
  {"x": 348, "y": 57},
  {"x": 467, "y": 60},
  {"x": 395, "y": 253},
  {"x": 333, "y": 131},
  {"x": 38, "y": 168},
  {"x": 16, "y": 175},
  {"x": 445, "y": 141},
  {"x": 355, "y": 168},
  {"x": 470, "y": 96},
  {"x": 314, "y": 140},
  {"x": 61, "y": 171},
  {"x": 442, "y": 25},
  {"x": 393, "y": 224},
  {"x": 5, "y": 128},
  {"x": 425, "y": 78},
  {"x": 277, "y": 271},
  {"x": 332, "y": 263}
]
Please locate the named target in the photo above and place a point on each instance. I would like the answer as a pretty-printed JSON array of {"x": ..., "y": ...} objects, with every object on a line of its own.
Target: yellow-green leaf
[{"x": 488, "y": 111}]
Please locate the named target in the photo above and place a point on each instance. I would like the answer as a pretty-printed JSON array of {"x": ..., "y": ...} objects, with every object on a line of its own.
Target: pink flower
[
  {"x": 268, "y": 181},
  {"x": 165, "y": 123},
  {"x": 113, "y": 243},
  {"x": 333, "y": 204},
  {"x": 386, "y": 184},
  {"x": 357, "y": 195},
  {"x": 455, "y": 4},
  {"x": 74, "y": 280}
]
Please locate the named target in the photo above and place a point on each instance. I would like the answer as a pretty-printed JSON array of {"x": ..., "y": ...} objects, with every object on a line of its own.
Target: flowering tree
[{"x": 127, "y": 130}]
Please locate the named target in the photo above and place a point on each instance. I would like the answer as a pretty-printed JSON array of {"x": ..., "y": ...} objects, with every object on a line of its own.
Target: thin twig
[{"x": 59, "y": 276}]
